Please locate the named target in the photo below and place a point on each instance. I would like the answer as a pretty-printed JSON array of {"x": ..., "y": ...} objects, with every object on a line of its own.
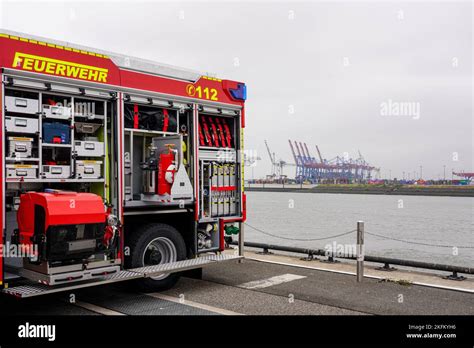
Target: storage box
[
  {"x": 127, "y": 166},
  {"x": 54, "y": 171},
  {"x": 21, "y": 124},
  {"x": 89, "y": 148},
  {"x": 20, "y": 147},
  {"x": 88, "y": 169},
  {"x": 56, "y": 133},
  {"x": 58, "y": 112},
  {"x": 87, "y": 128},
  {"x": 26, "y": 171},
  {"x": 21, "y": 105},
  {"x": 128, "y": 193}
]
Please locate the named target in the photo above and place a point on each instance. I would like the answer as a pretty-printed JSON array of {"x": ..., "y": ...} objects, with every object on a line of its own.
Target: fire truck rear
[{"x": 113, "y": 168}]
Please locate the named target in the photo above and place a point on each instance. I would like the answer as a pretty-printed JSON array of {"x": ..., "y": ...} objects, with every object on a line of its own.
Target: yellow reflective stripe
[
  {"x": 41, "y": 43},
  {"x": 211, "y": 78}
]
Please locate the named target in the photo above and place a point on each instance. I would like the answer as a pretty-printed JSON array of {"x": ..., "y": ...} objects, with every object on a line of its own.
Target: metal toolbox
[
  {"x": 20, "y": 147},
  {"x": 21, "y": 124},
  {"x": 58, "y": 112},
  {"x": 26, "y": 171},
  {"x": 87, "y": 128},
  {"x": 21, "y": 105},
  {"x": 54, "y": 171},
  {"x": 87, "y": 148},
  {"x": 88, "y": 169}
]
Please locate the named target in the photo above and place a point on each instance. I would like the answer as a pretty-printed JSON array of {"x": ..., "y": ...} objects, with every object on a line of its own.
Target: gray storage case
[{"x": 21, "y": 125}]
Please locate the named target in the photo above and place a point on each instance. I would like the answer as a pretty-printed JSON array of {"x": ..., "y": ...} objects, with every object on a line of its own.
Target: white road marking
[
  {"x": 193, "y": 304},
  {"x": 97, "y": 309},
  {"x": 265, "y": 283}
]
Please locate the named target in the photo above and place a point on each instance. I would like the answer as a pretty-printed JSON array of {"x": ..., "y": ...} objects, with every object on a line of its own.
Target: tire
[{"x": 154, "y": 244}]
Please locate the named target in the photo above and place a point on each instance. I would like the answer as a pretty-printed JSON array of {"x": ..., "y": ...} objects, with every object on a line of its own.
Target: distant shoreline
[{"x": 457, "y": 191}]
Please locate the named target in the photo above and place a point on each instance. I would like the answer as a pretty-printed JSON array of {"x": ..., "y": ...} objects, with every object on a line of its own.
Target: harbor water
[{"x": 445, "y": 224}]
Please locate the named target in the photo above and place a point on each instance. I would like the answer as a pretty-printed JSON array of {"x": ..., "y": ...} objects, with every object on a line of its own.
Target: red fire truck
[{"x": 113, "y": 168}]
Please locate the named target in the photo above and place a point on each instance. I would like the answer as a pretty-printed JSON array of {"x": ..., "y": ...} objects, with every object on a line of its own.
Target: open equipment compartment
[
  {"x": 157, "y": 157},
  {"x": 46, "y": 171},
  {"x": 220, "y": 174}
]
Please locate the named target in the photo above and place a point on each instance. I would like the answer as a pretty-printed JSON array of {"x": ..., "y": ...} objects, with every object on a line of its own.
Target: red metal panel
[
  {"x": 221, "y": 235},
  {"x": 244, "y": 207},
  {"x": 50, "y": 60},
  {"x": 121, "y": 188},
  {"x": 223, "y": 188},
  {"x": 1, "y": 181},
  {"x": 44, "y": 58},
  {"x": 204, "y": 88},
  {"x": 196, "y": 162}
]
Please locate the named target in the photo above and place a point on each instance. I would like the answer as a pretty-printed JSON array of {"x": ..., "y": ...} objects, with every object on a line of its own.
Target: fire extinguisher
[{"x": 166, "y": 170}]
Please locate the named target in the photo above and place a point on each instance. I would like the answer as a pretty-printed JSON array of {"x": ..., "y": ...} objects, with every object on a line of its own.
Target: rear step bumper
[{"x": 30, "y": 288}]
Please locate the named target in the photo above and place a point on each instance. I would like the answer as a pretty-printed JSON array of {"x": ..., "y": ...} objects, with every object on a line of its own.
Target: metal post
[
  {"x": 241, "y": 240},
  {"x": 360, "y": 251}
]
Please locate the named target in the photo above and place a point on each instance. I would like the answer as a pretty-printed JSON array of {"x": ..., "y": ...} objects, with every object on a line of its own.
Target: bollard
[
  {"x": 360, "y": 251},
  {"x": 241, "y": 241}
]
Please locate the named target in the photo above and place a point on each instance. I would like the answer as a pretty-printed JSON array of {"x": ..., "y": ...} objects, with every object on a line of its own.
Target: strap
[
  {"x": 214, "y": 132},
  {"x": 228, "y": 136},
  {"x": 206, "y": 131},
  {"x": 165, "y": 120},
  {"x": 135, "y": 116},
  {"x": 221, "y": 132},
  {"x": 201, "y": 137}
]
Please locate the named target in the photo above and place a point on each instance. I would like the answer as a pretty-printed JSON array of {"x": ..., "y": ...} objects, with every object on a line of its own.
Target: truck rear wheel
[{"x": 156, "y": 244}]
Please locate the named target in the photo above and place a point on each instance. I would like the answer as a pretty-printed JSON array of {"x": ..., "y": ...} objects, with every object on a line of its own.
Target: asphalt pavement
[{"x": 253, "y": 288}]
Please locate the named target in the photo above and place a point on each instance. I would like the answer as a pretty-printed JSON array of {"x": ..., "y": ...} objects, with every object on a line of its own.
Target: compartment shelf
[
  {"x": 14, "y": 159},
  {"x": 56, "y": 118},
  {"x": 216, "y": 148},
  {"x": 56, "y": 145},
  {"x": 25, "y": 115},
  {"x": 89, "y": 117},
  {"x": 15, "y": 180},
  {"x": 144, "y": 131}
]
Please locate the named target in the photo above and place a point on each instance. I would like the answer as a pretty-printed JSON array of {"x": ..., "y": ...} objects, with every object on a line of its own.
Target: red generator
[{"x": 65, "y": 226}]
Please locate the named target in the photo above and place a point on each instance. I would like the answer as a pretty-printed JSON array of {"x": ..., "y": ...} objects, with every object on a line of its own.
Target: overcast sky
[{"x": 326, "y": 73}]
